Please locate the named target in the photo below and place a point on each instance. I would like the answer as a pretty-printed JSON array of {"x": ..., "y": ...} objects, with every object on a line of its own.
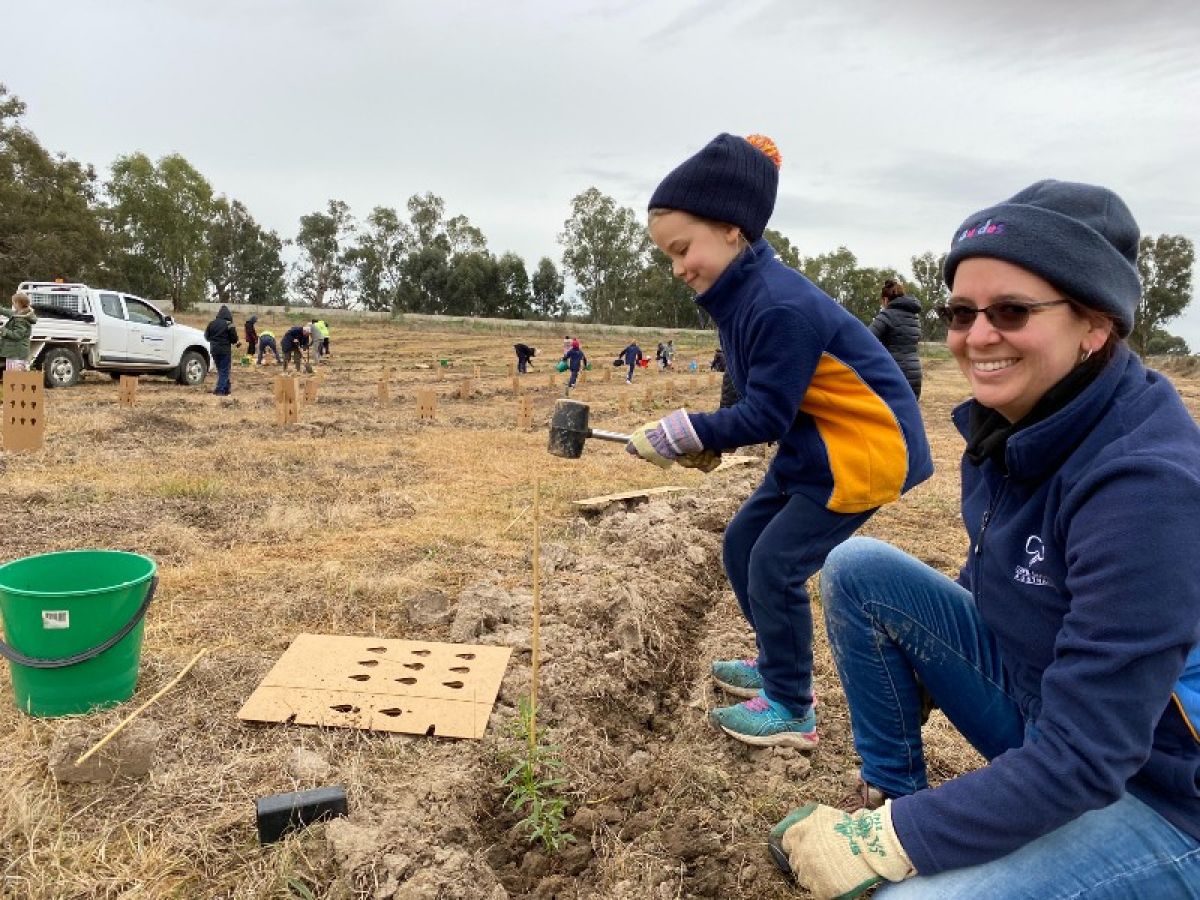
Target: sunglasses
[{"x": 1006, "y": 315}]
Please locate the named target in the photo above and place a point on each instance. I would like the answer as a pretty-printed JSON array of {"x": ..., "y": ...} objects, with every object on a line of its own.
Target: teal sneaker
[
  {"x": 765, "y": 723},
  {"x": 737, "y": 677}
]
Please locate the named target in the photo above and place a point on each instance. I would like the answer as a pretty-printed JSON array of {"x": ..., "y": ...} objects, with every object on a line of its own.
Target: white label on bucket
[{"x": 56, "y": 618}]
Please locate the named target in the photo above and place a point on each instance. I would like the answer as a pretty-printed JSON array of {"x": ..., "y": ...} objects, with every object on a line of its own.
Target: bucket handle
[{"x": 35, "y": 662}]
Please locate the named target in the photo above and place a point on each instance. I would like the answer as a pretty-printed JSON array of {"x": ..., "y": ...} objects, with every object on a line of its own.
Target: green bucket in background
[{"x": 73, "y": 621}]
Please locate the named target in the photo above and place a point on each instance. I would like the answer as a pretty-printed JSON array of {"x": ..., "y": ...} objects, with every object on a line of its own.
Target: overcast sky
[{"x": 895, "y": 119}]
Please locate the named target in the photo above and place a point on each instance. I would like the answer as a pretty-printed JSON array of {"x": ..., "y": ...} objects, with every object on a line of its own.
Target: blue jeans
[
  {"x": 629, "y": 377},
  {"x": 1125, "y": 851},
  {"x": 574, "y": 378},
  {"x": 774, "y": 544},
  {"x": 896, "y": 626},
  {"x": 223, "y": 361}
]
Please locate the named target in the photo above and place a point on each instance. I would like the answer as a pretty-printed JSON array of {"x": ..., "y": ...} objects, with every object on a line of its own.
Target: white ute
[{"x": 79, "y": 328}]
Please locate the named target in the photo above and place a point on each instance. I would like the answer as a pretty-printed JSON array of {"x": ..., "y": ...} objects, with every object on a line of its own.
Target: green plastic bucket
[{"x": 73, "y": 621}]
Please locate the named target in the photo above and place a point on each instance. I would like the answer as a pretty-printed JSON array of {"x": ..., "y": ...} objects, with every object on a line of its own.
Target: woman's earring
[{"x": 1085, "y": 356}]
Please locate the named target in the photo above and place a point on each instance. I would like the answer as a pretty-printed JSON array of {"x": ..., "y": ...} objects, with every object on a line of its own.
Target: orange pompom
[{"x": 767, "y": 146}]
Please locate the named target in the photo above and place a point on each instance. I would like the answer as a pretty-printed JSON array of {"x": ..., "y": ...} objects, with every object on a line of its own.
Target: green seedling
[{"x": 533, "y": 785}]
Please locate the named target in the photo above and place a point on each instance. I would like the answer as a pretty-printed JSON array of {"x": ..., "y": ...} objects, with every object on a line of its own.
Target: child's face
[{"x": 699, "y": 250}]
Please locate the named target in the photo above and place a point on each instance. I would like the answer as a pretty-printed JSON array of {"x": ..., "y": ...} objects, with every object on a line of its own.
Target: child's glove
[
  {"x": 838, "y": 854},
  {"x": 662, "y": 442},
  {"x": 705, "y": 460}
]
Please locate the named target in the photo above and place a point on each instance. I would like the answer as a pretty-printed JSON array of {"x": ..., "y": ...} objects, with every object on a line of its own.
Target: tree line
[{"x": 159, "y": 229}]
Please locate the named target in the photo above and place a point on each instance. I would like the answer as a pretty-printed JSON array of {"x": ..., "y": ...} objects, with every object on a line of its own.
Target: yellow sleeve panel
[{"x": 868, "y": 456}]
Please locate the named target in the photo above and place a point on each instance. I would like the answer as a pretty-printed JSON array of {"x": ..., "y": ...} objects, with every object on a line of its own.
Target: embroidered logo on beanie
[
  {"x": 1081, "y": 238},
  {"x": 988, "y": 227}
]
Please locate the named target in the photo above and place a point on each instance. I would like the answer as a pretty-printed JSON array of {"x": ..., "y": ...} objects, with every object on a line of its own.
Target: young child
[
  {"x": 14, "y": 335},
  {"x": 631, "y": 356},
  {"x": 810, "y": 377},
  {"x": 575, "y": 360}
]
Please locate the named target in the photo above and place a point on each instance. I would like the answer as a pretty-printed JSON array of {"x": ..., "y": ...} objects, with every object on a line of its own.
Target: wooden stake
[
  {"x": 535, "y": 635},
  {"x": 137, "y": 712}
]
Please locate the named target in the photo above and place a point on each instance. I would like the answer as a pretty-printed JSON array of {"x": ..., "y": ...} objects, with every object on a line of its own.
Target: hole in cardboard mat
[
  {"x": 407, "y": 680},
  {"x": 393, "y": 712},
  {"x": 465, "y": 655},
  {"x": 368, "y": 662},
  {"x": 344, "y": 708},
  {"x": 377, "y": 649},
  {"x": 360, "y": 677},
  {"x": 416, "y": 667},
  {"x": 421, "y": 652},
  {"x": 453, "y": 684},
  {"x": 460, "y": 669}
]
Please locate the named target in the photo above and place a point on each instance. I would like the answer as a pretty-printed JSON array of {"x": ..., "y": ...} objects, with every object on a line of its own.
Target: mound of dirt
[{"x": 625, "y": 609}]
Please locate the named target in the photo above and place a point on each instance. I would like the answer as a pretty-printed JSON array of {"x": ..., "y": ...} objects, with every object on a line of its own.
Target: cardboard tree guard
[{"x": 378, "y": 684}]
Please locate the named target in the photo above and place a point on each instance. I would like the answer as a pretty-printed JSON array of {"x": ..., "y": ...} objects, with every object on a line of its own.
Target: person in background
[
  {"x": 631, "y": 355},
  {"x": 296, "y": 340},
  {"x": 266, "y": 341},
  {"x": 315, "y": 347},
  {"x": 575, "y": 360},
  {"x": 222, "y": 337},
  {"x": 1067, "y": 649},
  {"x": 525, "y": 354},
  {"x": 321, "y": 336},
  {"x": 251, "y": 336},
  {"x": 718, "y": 361},
  {"x": 898, "y": 327},
  {"x": 566, "y": 344},
  {"x": 15, "y": 334},
  {"x": 811, "y": 378}
]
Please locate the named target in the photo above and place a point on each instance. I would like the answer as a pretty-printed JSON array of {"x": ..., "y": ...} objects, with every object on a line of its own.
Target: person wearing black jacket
[
  {"x": 295, "y": 340},
  {"x": 525, "y": 353},
  {"x": 251, "y": 336},
  {"x": 898, "y": 328},
  {"x": 222, "y": 337}
]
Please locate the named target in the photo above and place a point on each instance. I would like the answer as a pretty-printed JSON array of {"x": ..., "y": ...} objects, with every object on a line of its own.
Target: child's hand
[
  {"x": 648, "y": 443},
  {"x": 705, "y": 460}
]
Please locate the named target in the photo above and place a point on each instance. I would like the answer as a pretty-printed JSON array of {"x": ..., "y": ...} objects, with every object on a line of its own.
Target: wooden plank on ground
[{"x": 601, "y": 502}]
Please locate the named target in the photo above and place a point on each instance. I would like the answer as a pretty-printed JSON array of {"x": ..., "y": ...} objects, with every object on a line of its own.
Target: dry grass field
[{"x": 362, "y": 520}]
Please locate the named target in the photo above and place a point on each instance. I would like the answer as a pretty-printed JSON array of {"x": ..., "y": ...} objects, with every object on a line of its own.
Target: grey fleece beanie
[{"x": 1079, "y": 237}]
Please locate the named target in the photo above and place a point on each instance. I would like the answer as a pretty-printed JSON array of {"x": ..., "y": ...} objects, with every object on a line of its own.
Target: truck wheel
[
  {"x": 192, "y": 369},
  {"x": 61, "y": 367}
]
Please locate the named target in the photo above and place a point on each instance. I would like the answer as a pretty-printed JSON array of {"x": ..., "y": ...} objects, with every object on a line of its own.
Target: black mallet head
[{"x": 569, "y": 429}]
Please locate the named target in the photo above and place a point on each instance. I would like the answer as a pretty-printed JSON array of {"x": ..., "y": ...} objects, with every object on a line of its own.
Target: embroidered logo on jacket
[{"x": 1037, "y": 552}]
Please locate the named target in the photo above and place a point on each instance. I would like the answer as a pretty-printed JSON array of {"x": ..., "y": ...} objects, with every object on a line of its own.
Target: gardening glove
[
  {"x": 662, "y": 442},
  {"x": 705, "y": 460},
  {"x": 838, "y": 854}
]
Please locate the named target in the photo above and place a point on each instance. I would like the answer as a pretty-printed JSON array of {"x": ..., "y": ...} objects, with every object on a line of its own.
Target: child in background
[
  {"x": 15, "y": 333},
  {"x": 575, "y": 360},
  {"x": 810, "y": 377},
  {"x": 632, "y": 355}
]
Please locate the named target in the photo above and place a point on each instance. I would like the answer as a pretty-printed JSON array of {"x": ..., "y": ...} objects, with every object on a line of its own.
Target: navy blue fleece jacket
[
  {"x": 1083, "y": 563},
  {"x": 812, "y": 377}
]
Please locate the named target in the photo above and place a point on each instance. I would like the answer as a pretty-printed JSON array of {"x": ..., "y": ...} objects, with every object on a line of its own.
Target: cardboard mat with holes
[{"x": 414, "y": 687}]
